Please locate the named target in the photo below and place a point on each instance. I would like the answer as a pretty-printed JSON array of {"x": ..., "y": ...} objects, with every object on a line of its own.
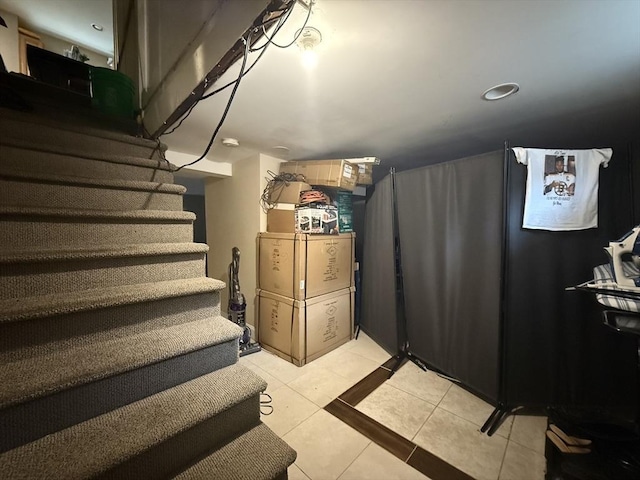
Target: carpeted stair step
[
  {"x": 258, "y": 454},
  {"x": 30, "y": 272},
  {"x": 42, "y": 306},
  {"x": 85, "y": 362},
  {"x": 62, "y": 191},
  {"x": 51, "y": 392},
  {"x": 54, "y": 227},
  {"x": 38, "y": 325},
  {"x": 151, "y": 438},
  {"x": 46, "y": 131},
  {"x": 23, "y": 156}
]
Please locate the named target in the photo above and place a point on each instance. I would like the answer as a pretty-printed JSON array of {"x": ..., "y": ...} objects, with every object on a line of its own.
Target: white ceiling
[{"x": 402, "y": 80}]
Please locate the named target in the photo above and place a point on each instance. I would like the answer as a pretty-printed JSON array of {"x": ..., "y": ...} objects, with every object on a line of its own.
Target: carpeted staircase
[{"x": 114, "y": 359}]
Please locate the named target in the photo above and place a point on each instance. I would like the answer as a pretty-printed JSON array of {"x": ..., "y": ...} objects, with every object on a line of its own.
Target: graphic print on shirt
[{"x": 560, "y": 176}]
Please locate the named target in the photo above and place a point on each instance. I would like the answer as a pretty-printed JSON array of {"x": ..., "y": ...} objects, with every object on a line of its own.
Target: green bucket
[{"x": 112, "y": 92}]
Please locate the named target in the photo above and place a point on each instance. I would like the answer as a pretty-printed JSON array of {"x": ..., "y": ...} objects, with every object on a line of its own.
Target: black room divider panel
[
  {"x": 450, "y": 228},
  {"x": 456, "y": 250},
  {"x": 450, "y": 217},
  {"x": 378, "y": 317}
]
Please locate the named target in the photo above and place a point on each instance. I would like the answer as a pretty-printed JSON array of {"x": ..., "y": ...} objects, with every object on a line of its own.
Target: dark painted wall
[
  {"x": 558, "y": 352},
  {"x": 195, "y": 204}
]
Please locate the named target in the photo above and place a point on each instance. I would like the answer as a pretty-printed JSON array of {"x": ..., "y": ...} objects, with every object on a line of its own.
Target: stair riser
[
  {"x": 58, "y": 140},
  {"x": 41, "y": 336},
  {"x": 42, "y": 278},
  {"x": 15, "y": 159},
  {"x": 53, "y": 232},
  {"x": 183, "y": 449},
  {"x": 29, "y": 421},
  {"x": 53, "y": 195}
]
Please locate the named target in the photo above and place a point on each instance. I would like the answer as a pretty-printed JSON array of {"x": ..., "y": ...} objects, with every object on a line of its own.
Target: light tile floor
[{"x": 425, "y": 408}]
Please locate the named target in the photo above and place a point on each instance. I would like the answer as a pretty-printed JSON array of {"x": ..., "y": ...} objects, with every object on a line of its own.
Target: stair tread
[
  {"x": 163, "y": 215},
  {"x": 7, "y": 115},
  {"x": 62, "y": 303},
  {"x": 257, "y": 454},
  {"x": 34, "y": 254},
  {"x": 89, "y": 155},
  {"x": 96, "y": 445},
  {"x": 102, "y": 357},
  {"x": 69, "y": 180}
]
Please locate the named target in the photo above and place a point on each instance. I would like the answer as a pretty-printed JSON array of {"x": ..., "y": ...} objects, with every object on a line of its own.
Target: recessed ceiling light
[
  {"x": 500, "y": 91},
  {"x": 97, "y": 27}
]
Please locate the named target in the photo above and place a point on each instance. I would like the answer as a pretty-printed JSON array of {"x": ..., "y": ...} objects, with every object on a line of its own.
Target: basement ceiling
[{"x": 402, "y": 80}]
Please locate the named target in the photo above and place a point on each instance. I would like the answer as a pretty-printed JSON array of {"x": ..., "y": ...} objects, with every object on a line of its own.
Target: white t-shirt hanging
[{"x": 562, "y": 187}]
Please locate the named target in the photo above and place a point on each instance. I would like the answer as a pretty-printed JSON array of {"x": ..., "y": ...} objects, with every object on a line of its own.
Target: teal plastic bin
[{"x": 112, "y": 92}]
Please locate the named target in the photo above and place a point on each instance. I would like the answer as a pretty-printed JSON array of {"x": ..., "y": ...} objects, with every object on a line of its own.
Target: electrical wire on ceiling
[
  {"x": 226, "y": 110},
  {"x": 203, "y": 96},
  {"x": 248, "y": 49},
  {"x": 218, "y": 90},
  {"x": 281, "y": 22},
  {"x": 295, "y": 38}
]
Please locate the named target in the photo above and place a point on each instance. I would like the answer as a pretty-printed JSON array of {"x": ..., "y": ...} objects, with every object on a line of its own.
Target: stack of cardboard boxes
[
  {"x": 337, "y": 178},
  {"x": 305, "y": 297}
]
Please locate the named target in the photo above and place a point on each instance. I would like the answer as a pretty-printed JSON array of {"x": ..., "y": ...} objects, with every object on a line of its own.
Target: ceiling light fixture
[
  {"x": 97, "y": 27},
  {"x": 230, "y": 142},
  {"x": 308, "y": 39},
  {"x": 500, "y": 91}
]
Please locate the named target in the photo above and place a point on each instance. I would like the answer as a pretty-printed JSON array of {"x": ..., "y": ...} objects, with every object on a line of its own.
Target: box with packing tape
[
  {"x": 305, "y": 266},
  {"x": 365, "y": 174},
  {"x": 338, "y": 173},
  {"x": 302, "y": 331}
]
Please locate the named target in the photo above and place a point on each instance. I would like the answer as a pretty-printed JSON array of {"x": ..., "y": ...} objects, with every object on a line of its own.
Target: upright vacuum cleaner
[{"x": 238, "y": 306}]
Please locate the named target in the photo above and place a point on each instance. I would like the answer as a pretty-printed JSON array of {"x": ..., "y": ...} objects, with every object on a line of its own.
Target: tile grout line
[
  {"x": 381, "y": 428},
  {"x": 415, "y": 447}
]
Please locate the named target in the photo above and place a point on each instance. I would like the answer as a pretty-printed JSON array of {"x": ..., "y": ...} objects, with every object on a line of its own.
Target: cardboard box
[
  {"x": 317, "y": 219},
  {"x": 304, "y": 266},
  {"x": 288, "y": 192},
  {"x": 331, "y": 173},
  {"x": 302, "y": 331},
  {"x": 344, "y": 202},
  {"x": 365, "y": 174},
  {"x": 281, "y": 221}
]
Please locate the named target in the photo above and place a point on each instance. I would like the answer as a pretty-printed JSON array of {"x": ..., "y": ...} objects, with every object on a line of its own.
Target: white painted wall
[
  {"x": 267, "y": 163},
  {"x": 234, "y": 219},
  {"x": 9, "y": 42}
]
